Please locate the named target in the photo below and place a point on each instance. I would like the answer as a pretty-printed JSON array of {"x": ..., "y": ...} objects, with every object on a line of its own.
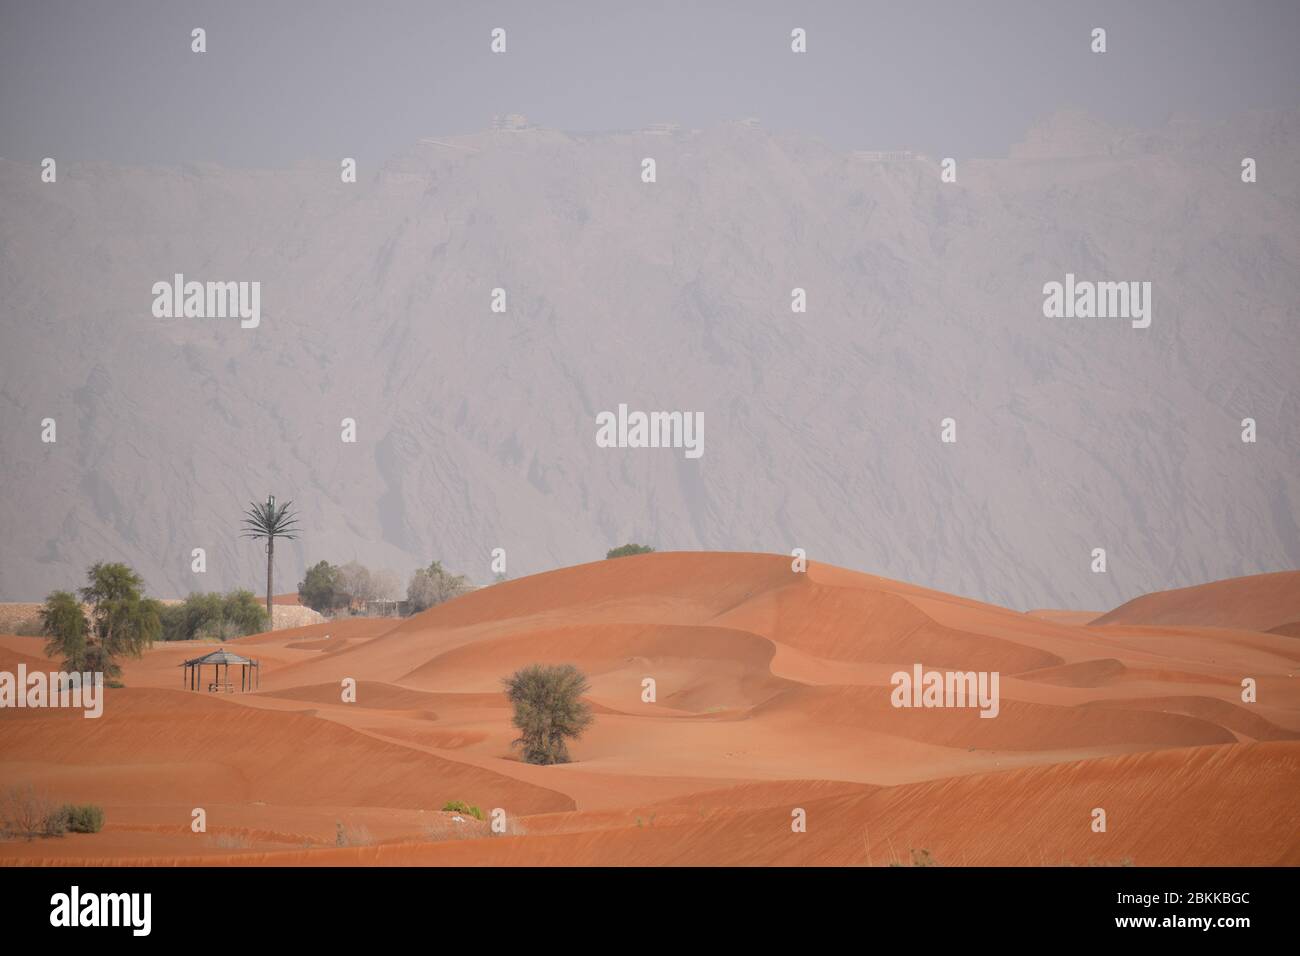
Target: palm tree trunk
[{"x": 270, "y": 557}]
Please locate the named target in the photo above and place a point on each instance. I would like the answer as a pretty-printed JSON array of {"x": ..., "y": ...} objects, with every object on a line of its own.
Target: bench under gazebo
[{"x": 250, "y": 675}]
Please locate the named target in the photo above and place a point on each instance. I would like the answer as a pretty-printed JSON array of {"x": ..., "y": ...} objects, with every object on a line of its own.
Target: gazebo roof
[{"x": 221, "y": 656}]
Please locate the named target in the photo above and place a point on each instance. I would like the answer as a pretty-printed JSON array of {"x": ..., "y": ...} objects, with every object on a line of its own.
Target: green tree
[
  {"x": 266, "y": 521},
  {"x": 241, "y": 614},
  {"x": 122, "y": 620},
  {"x": 628, "y": 549},
  {"x": 433, "y": 585},
  {"x": 548, "y": 710},
  {"x": 189, "y": 619},
  {"x": 319, "y": 588},
  {"x": 64, "y": 625},
  {"x": 214, "y": 616},
  {"x": 172, "y": 617},
  {"x": 355, "y": 585}
]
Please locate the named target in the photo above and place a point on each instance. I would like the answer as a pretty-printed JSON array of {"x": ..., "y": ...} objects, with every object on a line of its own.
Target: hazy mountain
[{"x": 477, "y": 430}]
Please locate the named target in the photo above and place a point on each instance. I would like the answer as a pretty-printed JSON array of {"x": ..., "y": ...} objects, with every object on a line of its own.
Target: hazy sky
[{"x": 284, "y": 81}]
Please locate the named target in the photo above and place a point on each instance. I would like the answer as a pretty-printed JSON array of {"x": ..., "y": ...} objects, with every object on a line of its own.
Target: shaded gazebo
[{"x": 250, "y": 677}]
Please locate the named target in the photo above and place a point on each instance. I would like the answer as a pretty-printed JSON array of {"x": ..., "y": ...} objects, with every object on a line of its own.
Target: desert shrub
[
  {"x": 435, "y": 833},
  {"x": 352, "y": 835},
  {"x": 214, "y": 615},
  {"x": 919, "y": 858},
  {"x": 548, "y": 710},
  {"x": 64, "y": 624},
  {"x": 433, "y": 585},
  {"x": 121, "y": 621},
  {"x": 242, "y": 614},
  {"x": 184, "y": 621},
  {"x": 1123, "y": 861},
  {"x": 83, "y": 818},
  {"x": 319, "y": 588},
  {"x": 513, "y": 828},
  {"x": 628, "y": 549},
  {"x": 460, "y": 806},
  {"x": 229, "y": 841},
  {"x": 56, "y": 823},
  {"x": 445, "y": 829},
  {"x": 27, "y": 813},
  {"x": 172, "y": 619},
  {"x": 354, "y": 585}
]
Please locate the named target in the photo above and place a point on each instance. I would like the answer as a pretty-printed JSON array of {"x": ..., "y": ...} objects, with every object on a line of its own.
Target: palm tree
[{"x": 269, "y": 522}]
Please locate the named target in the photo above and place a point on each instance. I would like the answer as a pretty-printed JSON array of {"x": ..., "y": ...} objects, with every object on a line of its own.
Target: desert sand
[{"x": 773, "y": 693}]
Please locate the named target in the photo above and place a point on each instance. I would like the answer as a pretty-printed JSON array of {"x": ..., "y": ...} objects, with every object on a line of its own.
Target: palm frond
[{"x": 270, "y": 521}]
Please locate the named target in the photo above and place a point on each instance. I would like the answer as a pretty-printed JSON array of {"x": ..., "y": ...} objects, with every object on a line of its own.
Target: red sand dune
[
  {"x": 773, "y": 693},
  {"x": 1261, "y": 602}
]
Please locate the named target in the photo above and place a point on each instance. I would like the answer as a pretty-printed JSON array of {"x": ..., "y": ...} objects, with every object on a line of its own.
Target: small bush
[
  {"x": 214, "y": 616},
  {"x": 460, "y": 806},
  {"x": 352, "y": 836},
  {"x": 319, "y": 589},
  {"x": 229, "y": 841},
  {"x": 433, "y": 585},
  {"x": 513, "y": 828},
  {"x": 55, "y": 823},
  {"x": 549, "y": 709},
  {"x": 1124, "y": 861},
  {"x": 628, "y": 549},
  {"x": 447, "y": 830},
  {"x": 919, "y": 858},
  {"x": 83, "y": 818},
  {"x": 26, "y": 813}
]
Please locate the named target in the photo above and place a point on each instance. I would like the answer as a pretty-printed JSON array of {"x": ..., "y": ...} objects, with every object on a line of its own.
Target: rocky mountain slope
[{"x": 476, "y": 430}]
